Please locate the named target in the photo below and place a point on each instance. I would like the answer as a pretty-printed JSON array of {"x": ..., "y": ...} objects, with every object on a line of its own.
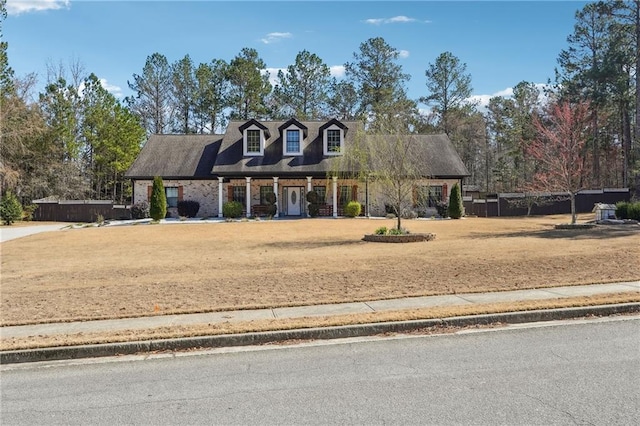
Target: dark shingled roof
[
  {"x": 441, "y": 157},
  {"x": 231, "y": 161},
  {"x": 208, "y": 156},
  {"x": 176, "y": 156}
]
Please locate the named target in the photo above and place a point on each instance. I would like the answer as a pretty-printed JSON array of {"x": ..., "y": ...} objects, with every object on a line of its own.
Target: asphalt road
[{"x": 584, "y": 373}]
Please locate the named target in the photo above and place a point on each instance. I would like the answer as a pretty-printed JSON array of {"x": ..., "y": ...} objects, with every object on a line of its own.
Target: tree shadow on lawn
[
  {"x": 301, "y": 245},
  {"x": 600, "y": 232}
]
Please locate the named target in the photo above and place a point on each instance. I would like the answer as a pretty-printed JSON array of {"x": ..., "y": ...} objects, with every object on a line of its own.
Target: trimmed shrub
[
  {"x": 272, "y": 209},
  {"x": 10, "y": 208},
  {"x": 232, "y": 209},
  {"x": 442, "y": 208},
  {"x": 456, "y": 208},
  {"x": 140, "y": 210},
  {"x": 352, "y": 209},
  {"x": 158, "y": 208},
  {"x": 188, "y": 208},
  {"x": 314, "y": 207}
]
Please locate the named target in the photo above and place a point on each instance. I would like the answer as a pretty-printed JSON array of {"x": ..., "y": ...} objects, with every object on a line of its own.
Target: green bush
[
  {"x": 628, "y": 210},
  {"x": 232, "y": 209},
  {"x": 634, "y": 211},
  {"x": 381, "y": 231},
  {"x": 456, "y": 208},
  {"x": 27, "y": 212},
  {"x": 622, "y": 210},
  {"x": 352, "y": 209},
  {"x": 158, "y": 208},
  {"x": 188, "y": 208},
  {"x": 10, "y": 208}
]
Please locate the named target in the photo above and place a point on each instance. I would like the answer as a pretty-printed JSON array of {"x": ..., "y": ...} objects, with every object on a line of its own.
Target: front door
[{"x": 293, "y": 201}]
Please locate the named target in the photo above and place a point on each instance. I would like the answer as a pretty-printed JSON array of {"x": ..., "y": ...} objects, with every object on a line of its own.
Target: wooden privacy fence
[
  {"x": 515, "y": 204},
  {"x": 78, "y": 210}
]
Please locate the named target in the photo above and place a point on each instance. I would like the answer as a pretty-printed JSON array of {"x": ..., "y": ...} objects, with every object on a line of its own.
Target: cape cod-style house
[{"x": 289, "y": 158}]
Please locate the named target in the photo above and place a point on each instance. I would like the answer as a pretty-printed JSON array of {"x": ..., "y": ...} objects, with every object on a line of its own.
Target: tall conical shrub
[
  {"x": 158, "y": 207},
  {"x": 10, "y": 208},
  {"x": 456, "y": 208}
]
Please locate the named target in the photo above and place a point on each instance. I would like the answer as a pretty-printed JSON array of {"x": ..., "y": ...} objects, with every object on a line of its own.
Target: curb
[{"x": 337, "y": 332}]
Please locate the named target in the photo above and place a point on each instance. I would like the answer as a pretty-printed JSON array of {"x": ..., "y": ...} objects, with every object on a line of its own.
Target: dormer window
[
  {"x": 292, "y": 145},
  {"x": 254, "y": 135},
  {"x": 333, "y": 141},
  {"x": 293, "y": 134},
  {"x": 253, "y": 141}
]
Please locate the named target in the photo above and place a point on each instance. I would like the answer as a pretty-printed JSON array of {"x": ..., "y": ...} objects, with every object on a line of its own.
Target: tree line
[{"x": 76, "y": 140}]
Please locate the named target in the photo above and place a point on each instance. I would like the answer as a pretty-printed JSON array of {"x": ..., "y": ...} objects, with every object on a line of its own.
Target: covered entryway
[{"x": 294, "y": 197}]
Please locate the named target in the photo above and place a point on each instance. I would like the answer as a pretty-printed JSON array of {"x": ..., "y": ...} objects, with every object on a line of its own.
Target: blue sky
[{"x": 502, "y": 42}]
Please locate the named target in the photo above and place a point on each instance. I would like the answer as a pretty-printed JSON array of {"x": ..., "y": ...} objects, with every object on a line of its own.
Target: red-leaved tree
[{"x": 560, "y": 150}]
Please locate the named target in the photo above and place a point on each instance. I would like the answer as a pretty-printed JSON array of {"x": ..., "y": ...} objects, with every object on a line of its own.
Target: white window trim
[
  {"x": 325, "y": 142},
  {"x": 284, "y": 141},
  {"x": 244, "y": 142}
]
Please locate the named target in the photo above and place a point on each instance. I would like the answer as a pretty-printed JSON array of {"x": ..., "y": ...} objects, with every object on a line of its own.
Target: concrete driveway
[{"x": 11, "y": 233}]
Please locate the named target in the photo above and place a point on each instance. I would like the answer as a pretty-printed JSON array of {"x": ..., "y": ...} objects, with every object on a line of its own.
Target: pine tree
[
  {"x": 158, "y": 208},
  {"x": 456, "y": 208}
]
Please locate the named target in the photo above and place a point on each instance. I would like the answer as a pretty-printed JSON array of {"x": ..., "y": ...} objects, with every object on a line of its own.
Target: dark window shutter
[
  {"x": 415, "y": 195},
  {"x": 149, "y": 191},
  {"x": 229, "y": 193},
  {"x": 444, "y": 192},
  {"x": 354, "y": 193},
  {"x": 180, "y": 193}
]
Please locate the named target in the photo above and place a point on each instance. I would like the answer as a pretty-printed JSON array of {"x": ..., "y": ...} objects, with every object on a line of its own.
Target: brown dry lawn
[{"x": 141, "y": 270}]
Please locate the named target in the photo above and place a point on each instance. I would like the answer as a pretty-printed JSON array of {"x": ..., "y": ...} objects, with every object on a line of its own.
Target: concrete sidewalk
[{"x": 316, "y": 310}]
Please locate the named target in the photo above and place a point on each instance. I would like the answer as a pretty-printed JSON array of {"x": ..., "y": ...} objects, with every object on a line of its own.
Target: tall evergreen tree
[
  {"x": 449, "y": 87},
  {"x": 184, "y": 93},
  {"x": 379, "y": 80},
  {"x": 212, "y": 91},
  {"x": 249, "y": 85},
  {"x": 302, "y": 91},
  {"x": 153, "y": 101}
]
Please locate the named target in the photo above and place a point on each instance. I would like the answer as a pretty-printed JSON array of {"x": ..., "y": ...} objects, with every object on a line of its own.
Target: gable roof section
[
  {"x": 441, "y": 158},
  {"x": 231, "y": 162},
  {"x": 293, "y": 122},
  {"x": 176, "y": 156}
]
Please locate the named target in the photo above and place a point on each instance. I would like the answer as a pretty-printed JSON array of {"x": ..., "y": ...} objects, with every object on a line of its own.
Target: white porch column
[
  {"x": 275, "y": 191},
  {"x": 248, "y": 196},
  {"x": 309, "y": 188},
  {"x": 220, "y": 181},
  {"x": 335, "y": 195}
]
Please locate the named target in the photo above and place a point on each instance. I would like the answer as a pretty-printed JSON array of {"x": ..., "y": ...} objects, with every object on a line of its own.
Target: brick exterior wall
[{"x": 206, "y": 192}]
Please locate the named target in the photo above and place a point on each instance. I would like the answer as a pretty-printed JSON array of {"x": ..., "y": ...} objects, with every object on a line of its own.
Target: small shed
[{"x": 604, "y": 211}]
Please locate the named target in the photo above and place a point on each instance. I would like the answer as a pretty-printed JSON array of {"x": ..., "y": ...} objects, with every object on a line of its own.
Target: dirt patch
[{"x": 128, "y": 271}]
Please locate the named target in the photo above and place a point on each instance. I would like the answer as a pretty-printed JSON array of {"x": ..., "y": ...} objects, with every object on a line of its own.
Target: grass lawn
[{"x": 125, "y": 271}]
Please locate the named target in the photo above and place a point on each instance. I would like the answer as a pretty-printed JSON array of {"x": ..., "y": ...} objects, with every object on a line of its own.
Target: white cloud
[
  {"x": 395, "y": 20},
  {"x": 17, "y": 7},
  {"x": 482, "y": 101},
  {"x": 114, "y": 90},
  {"x": 273, "y": 74},
  {"x": 275, "y": 37},
  {"x": 403, "y": 54},
  {"x": 337, "y": 70}
]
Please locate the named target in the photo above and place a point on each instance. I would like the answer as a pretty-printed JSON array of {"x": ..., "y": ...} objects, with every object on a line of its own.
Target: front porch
[{"x": 252, "y": 193}]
